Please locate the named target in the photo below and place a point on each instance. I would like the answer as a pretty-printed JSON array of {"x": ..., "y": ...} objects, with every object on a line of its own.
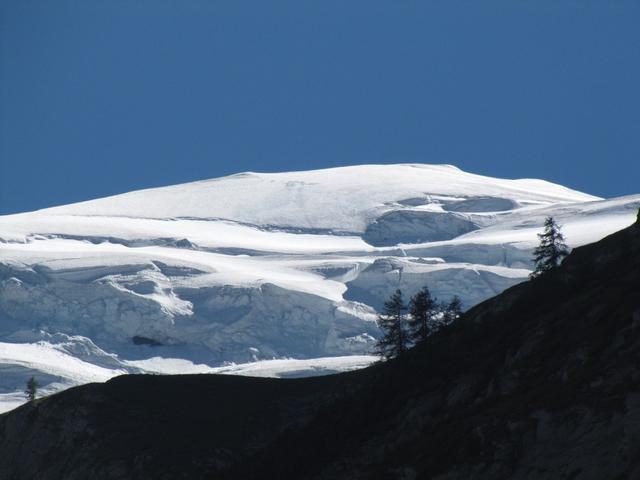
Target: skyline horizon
[
  {"x": 110, "y": 97},
  {"x": 318, "y": 169}
]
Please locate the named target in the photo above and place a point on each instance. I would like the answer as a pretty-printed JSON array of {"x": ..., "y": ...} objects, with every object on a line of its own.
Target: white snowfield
[
  {"x": 284, "y": 270},
  {"x": 342, "y": 199},
  {"x": 62, "y": 361}
]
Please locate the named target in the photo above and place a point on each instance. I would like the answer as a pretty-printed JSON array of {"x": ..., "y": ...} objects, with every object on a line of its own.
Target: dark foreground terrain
[{"x": 540, "y": 382}]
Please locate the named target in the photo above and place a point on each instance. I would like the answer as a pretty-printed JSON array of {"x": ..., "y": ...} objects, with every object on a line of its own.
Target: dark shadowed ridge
[{"x": 541, "y": 381}]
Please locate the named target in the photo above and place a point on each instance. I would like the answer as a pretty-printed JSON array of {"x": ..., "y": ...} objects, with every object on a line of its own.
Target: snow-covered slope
[
  {"x": 254, "y": 266},
  {"x": 61, "y": 361},
  {"x": 340, "y": 199}
]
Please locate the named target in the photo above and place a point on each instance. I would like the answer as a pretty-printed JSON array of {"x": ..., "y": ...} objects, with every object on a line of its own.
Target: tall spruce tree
[
  {"x": 422, "y": 310},
  {"x": 551, "y": 250},
  {"x": 395, "y": 338},
  {"x": 32, "y": 389},
  {"x": 452, "y": 310}
]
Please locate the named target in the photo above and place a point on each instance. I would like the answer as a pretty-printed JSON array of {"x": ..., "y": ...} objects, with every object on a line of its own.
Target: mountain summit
[
  {"x": 344, "y": 199},
  {"x": 262, "y": 266}
]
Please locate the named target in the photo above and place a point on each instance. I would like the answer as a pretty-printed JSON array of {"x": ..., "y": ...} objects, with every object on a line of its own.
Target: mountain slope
[
  {"x": 254, "y": 267},
  {"x": 316, "y": 200},
  {"x": 539, "y": 382}
]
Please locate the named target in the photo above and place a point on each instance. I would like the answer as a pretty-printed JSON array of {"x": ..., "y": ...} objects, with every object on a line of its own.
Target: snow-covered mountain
[{"x": 253, "y": 267}]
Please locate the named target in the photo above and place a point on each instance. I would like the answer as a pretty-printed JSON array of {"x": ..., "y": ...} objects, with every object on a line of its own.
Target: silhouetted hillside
[{"x": 541, "y": 381}]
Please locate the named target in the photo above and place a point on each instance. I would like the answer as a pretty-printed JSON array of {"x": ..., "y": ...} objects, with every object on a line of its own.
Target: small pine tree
[
  {"x": 452, "y": 310},
  {"x": 32, "y": 388},
  {"x": 422, "y": 310},
  {"x": 551, "y": 250},
  {"x": 395, "y": 339}
]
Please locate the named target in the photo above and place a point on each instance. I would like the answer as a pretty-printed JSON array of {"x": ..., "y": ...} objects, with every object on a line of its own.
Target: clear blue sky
[{"x": 101, "y": 97}]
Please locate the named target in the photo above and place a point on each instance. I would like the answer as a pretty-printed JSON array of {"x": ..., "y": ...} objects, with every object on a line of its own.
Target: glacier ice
[{"x": 255, "y": 267}]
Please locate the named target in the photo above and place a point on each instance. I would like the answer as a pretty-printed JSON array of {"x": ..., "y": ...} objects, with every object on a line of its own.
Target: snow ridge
[{"x": 253, "y": 267}]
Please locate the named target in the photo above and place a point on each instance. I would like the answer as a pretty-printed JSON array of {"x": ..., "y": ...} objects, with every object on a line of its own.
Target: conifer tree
[
  {"x": 551, "y": 250},
  {"x": 32, "y": 389},
  {"x": 452, "y": 310},
  {"x": 395, "y": 338},
  {"x": 422, "y": 310}
]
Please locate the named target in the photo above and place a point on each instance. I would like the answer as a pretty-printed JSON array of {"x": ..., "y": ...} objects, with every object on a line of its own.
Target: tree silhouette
[
  {"x": 551, "y": 250},
  {"x": 395, "y": 339},
  {"x": 32, "y": 389},
  {"x": 422, "y": 310},
  {"x": 452, "y": 310}
]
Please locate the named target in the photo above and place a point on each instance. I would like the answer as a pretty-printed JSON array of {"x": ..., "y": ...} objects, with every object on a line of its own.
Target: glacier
[{"x": 275, "y": 274}]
